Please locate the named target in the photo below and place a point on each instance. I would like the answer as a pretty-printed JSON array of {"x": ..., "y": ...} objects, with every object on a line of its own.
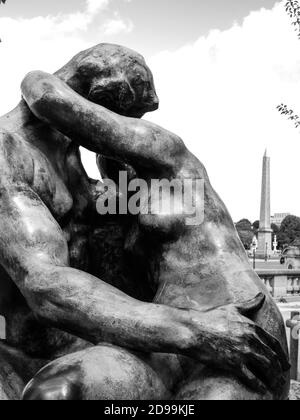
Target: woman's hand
[{"x": 226, "y": 339}]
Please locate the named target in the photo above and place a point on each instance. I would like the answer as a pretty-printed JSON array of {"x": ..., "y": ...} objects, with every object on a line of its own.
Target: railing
[
  {"x": 294, "y": 325},
  {"x": 285, "y": 284},
  {"x": 281, "y": 283}
]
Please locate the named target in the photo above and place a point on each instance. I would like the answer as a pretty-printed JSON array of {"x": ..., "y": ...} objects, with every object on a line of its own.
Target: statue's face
[{"x": 123, "y": 85}]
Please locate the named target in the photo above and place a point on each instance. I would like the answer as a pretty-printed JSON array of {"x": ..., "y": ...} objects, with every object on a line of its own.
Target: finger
[
  {"x": 250, "y": 380},
  {"x": 265, "y": 364},
  {"x": 251, "y": 307},
  {"x": 269, "y": 372},
  {"x": 275, "y": 345}
]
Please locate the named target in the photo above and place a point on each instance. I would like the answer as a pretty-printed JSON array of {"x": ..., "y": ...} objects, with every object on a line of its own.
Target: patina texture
[{"x": 130, "y": 307}]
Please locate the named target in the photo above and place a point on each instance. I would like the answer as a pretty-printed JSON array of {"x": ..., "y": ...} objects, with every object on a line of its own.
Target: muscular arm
[
  {"x": 136, "y": 142},
  {"x": 35, "y": 254}
]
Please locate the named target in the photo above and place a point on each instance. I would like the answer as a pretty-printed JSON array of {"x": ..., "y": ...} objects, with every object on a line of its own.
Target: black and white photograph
[{"x": 149, "y": 208}]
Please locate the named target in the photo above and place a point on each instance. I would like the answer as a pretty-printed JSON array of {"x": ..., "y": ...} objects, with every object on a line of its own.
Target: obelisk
[{"x": 264, "y": 248}]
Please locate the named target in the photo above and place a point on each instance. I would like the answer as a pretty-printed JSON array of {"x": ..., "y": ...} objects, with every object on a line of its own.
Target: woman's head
[{"x": 115, "y": 77}]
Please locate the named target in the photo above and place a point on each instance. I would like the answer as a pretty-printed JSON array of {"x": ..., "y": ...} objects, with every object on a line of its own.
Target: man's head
[{"x": 114, "y": 77}]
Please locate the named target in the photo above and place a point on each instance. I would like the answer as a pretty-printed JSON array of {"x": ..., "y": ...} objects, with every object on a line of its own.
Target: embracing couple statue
[{"x": 121, "y": 306}]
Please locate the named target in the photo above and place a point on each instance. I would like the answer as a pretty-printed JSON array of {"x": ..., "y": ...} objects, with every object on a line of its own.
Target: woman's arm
[{"x": 136, "y": 142}]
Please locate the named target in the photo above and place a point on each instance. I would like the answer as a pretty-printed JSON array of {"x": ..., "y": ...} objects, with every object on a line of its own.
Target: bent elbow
[
  {"x": 42, "y": 284},
  {"x": 162, "y": 143},
  {"x": 38, "y": 89},
  {"x": 41, "y": 291},
  {"x": 31, "y": 86}
]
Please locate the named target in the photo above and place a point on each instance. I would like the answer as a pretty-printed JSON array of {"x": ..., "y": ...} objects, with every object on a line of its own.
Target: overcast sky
[{"x": 221, "y": 68}]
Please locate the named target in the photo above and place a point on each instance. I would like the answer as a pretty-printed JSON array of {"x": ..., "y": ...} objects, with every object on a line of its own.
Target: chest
[{"x": 50, "y": 184}]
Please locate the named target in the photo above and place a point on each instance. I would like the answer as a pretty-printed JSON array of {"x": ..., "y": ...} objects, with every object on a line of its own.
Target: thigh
[
  {"x": 211, "y": 385},
  {"x": 99, "y": 373}
]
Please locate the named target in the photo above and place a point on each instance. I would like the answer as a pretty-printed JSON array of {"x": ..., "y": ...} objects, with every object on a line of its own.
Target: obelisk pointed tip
[{"x": 266, "y": 153}]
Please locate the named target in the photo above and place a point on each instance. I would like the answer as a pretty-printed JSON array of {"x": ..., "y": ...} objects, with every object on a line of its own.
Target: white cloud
[
  {"x": 94, "y": 6},
  {"x": 117, "y": 25},
  {"x": 47, "y": 42},
  {"x": 220, "y": 94}
]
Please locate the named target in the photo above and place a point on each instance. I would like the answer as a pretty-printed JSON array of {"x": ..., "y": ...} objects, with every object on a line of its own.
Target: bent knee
[
  {"x": 114, "y": 373},
  {"x": 99, "y": 373},
  {"x": 54, "y": 383},
  {"x": 54, "y": 389}
]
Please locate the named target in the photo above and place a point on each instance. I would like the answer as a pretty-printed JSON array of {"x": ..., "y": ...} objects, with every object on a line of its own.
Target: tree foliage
[
  {"x": 245, "y": 231},
  {"x": 256, "y": 226},
  {"x": 292, "y": 8},
  {"x": 275, "y": 229},
  {"x": 290, "y": 114},
  {"x": 2, "y": 1},
  {"x": 275, "y": 232},
  {"x": 244, "y": 224},
  {"x": 289, "y": 231}
]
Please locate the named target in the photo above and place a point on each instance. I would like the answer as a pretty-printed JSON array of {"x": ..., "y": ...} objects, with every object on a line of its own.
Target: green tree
[
  {"x": 289, "y": 231},
  {"x": 245, "y": 231}
]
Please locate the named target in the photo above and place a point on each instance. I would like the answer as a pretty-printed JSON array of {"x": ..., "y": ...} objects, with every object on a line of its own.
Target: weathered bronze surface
[{"x": 178, "y": 312}]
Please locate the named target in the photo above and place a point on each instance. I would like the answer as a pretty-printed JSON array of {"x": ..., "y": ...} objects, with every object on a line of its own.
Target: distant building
[{"x": 278, "y": 218}]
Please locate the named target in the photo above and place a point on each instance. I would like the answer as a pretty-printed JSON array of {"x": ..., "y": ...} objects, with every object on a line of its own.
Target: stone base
[
  {"x": 295, "y": 391},
  {"x": 264, "y": 247}
]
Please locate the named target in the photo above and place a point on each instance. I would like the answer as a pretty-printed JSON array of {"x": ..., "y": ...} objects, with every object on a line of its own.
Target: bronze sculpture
[{"x": 212, "y": 330}]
